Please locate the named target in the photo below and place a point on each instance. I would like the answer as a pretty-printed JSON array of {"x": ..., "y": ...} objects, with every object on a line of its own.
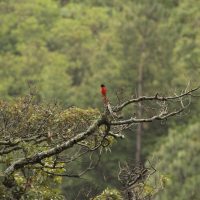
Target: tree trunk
[
  {"x": 139, "y": 114},
  {"x": 63, "y": 2}
]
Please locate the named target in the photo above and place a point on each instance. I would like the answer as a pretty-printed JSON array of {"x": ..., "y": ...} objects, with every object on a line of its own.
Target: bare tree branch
[
  {"x": 161, "y": 116},
  {"x": 156, "y": 97}
]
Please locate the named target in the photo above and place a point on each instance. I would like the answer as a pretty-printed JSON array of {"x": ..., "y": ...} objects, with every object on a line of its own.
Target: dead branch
[
  {"x": 160, "y": 116},
  {"x": 155, "y": 98}
]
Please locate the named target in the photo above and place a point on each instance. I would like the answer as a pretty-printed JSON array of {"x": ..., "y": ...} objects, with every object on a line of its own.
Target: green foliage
[
  {"x": 66, "y": 49},
  {"x": 23, "y": 49},
  {"x": 178, "y": 160},
  {"x": 111, "y": 194}
]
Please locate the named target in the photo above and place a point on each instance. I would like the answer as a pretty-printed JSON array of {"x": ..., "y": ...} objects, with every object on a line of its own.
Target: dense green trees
[
  {"x": 66, "y": 49},
  {"x": 178, "y": 160}
]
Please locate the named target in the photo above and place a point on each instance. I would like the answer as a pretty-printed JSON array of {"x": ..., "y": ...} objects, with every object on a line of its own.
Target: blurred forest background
[{"x": 67, "y": 48}]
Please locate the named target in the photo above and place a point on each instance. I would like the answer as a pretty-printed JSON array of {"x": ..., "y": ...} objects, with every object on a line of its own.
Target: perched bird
[
  {"x": 103, "y": 90},
  {"x": 104, "y": 93},
  {"x": 106, "y": 102}
]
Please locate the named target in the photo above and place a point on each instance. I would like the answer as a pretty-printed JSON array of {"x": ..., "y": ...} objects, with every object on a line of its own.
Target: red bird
[{"x": 104, "y": 92}]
